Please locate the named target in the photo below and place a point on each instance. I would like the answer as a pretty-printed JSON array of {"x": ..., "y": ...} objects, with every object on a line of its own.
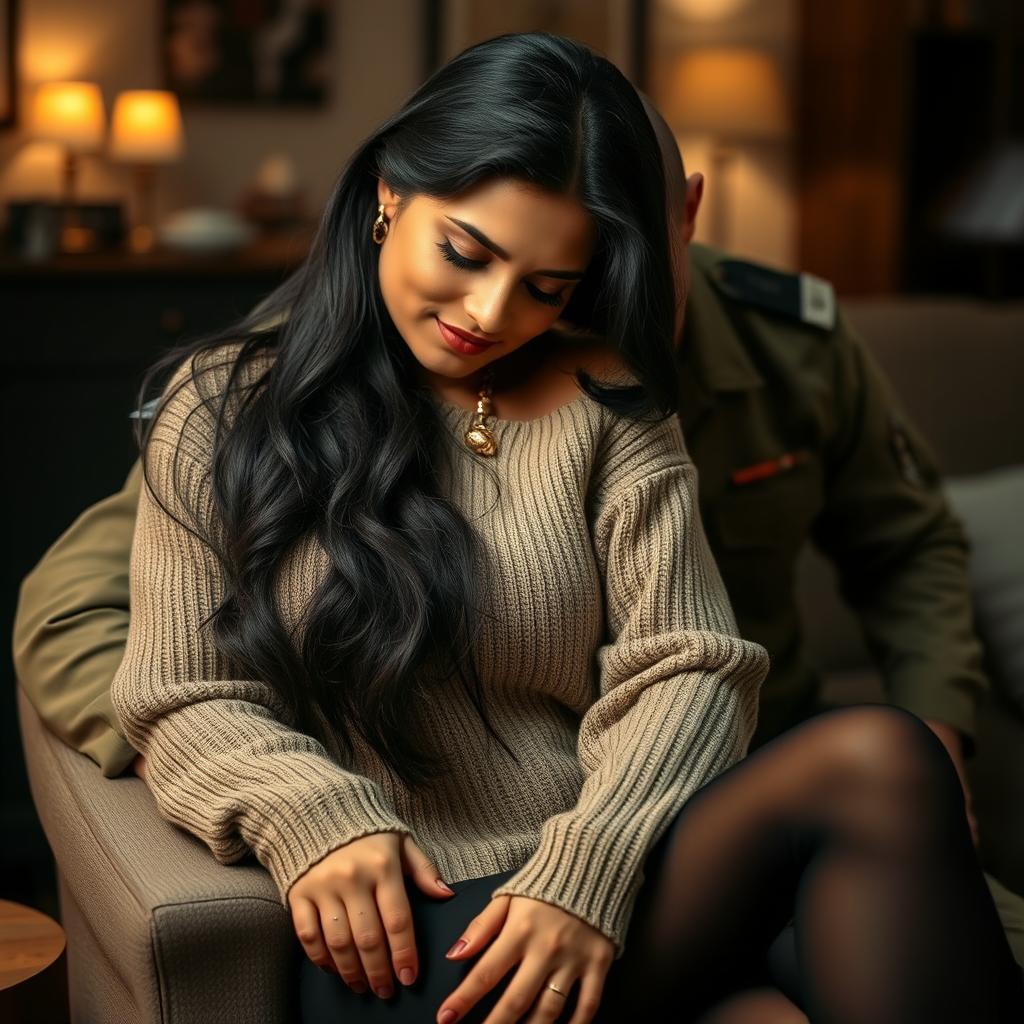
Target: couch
[{"x": 957, "y": 366}]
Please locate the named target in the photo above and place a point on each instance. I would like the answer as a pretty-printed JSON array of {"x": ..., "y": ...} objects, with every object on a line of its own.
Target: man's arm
[
  {"x": 71, "y": 626},
  {"x": 900, "y": 553}
]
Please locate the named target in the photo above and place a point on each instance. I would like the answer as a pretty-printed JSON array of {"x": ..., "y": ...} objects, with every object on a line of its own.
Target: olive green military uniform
[{"x": 795, "y": 434}]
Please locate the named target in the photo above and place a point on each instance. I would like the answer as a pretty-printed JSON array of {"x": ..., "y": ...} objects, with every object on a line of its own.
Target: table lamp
[
  {"x": 731, "y": 95},
  {"x": 145, "y": 131},
  {"x": 71, "y": 114}
]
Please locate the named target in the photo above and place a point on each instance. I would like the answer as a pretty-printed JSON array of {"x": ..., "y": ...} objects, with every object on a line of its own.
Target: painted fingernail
[
  {"x": 456, "y": 950},
  {"x": 384, "y": 991},
  {"x": 447, "y": 1017},
  {"x": 405, "y": 975},
  {"x": 444, "y": 888}
]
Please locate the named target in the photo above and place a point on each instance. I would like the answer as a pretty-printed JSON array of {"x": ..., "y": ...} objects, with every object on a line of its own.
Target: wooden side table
[{"x": 33, "y": 986}]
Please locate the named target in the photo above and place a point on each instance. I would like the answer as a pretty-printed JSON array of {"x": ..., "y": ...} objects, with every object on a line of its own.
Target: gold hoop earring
[{"x": 380, "y": 226}]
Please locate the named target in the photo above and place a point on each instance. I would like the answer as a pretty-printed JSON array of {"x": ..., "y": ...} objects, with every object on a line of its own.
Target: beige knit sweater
[{"x": 616, "y": 673}]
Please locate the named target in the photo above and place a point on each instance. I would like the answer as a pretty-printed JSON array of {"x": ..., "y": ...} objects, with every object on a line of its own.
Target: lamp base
[
  {"x": 75, "y": 238},
  {"x": 723, "y": 157},
  {"x": 141, "y": 239}
]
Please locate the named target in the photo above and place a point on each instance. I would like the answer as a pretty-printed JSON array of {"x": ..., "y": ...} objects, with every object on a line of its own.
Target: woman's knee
[
  {"x": 887, "y": 755},
  {"x": 881, "y": 741}
]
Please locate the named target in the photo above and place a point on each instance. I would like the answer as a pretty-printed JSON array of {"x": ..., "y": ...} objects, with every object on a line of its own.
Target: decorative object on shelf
[
  {"x": 732, "y": 95},
  {"x": 216, "y": 52},
  {"x": 34, "y": 226},
  {"x": 146, "y": 131},
  {"x": 274, "y": 199},
  {"x": 205, "y": 229},
  {"x": 70, "y": 114}
]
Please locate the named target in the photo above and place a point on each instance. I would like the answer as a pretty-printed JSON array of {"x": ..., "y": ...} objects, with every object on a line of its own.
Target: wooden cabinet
[{"x": 78, "y": 334}]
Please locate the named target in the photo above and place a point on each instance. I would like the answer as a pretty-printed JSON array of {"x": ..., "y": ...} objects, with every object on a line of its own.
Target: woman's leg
[
  {"x": 854, "y": 822},
  {"x": 762, "y": 1005},
  {"x": 326, "y": 999}
]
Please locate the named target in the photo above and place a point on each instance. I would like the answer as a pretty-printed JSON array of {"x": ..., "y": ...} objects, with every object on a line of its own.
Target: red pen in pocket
[{"x": 770, "y": 467}]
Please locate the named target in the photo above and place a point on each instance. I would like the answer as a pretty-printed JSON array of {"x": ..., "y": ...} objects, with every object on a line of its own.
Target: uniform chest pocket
[{"x": 773, "y": 513}]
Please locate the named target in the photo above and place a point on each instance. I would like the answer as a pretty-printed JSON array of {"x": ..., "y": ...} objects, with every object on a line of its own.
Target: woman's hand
[
  {"x": 351, "y": 909},
  {"x": 553, "y": 945}
]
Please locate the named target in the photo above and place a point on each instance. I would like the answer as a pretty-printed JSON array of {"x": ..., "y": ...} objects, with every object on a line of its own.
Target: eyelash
[{"x": 449, "y": 252}]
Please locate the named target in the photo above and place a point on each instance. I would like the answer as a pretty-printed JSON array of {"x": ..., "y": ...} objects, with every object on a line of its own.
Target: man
[{"x": 795, "y": 434}]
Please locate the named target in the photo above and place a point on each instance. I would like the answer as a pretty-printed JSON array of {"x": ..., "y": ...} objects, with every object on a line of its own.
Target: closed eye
[{"x": 452, "y": 255}]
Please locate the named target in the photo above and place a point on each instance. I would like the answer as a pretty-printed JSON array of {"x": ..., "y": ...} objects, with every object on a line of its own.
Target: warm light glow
[
  {"x": 146, "y": 127},
  {"x": 731, "y": 94},
  {"x": 70, "y": 113},
  {"x": 706, "y": 10}
]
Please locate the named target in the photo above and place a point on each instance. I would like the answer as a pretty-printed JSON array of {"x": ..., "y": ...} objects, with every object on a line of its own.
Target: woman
[{"x": 409, "y": 603}]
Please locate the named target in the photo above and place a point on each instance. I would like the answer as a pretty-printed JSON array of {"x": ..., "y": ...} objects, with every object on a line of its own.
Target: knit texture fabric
[{"x": 610, "y": 661}]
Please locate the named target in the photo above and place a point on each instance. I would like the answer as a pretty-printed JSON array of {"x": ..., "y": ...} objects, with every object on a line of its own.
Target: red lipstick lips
[
  {"x": 465, "y": 335},
  {"x": 462, "y": 342}
]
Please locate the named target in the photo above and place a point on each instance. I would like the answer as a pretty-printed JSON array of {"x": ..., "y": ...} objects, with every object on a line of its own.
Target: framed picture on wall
[
  {"x": 615, "y": 28},
  {"x": 273, "y": 53},
  {"x": 8, "y": 93}
]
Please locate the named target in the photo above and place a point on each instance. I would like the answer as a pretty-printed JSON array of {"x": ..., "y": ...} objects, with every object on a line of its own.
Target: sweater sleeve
[
  {"x": 223, "y": 760},
  {"x": 678, "y": 689}
]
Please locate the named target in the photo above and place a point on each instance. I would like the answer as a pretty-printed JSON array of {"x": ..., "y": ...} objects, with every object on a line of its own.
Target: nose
[{"x": 488, "y": 305}]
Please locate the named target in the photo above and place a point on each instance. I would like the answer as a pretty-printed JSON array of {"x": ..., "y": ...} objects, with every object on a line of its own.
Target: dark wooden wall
[
  {"x": 900, "y": 106},
  {"x": 851, "y": 97}
]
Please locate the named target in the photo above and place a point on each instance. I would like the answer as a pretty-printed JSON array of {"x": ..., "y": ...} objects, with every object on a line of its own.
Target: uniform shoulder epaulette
[{"x": 801, "y": 297}]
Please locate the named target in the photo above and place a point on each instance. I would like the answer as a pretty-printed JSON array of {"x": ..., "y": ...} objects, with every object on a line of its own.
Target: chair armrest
[{"x": 191, "y": 939}]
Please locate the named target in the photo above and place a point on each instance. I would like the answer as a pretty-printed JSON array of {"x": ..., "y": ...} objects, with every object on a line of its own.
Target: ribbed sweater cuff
[
  {"x": 296, "y": 834},
  {"x": 594, "y": 875}
]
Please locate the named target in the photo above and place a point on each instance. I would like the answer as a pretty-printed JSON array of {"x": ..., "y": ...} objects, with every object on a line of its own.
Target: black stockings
[{"x": 852, "y": 825}]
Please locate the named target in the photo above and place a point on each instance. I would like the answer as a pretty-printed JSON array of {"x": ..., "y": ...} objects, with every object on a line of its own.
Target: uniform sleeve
[
  {"x": 678, "y": 694},
  {"x": 224, "y": 761},
  {"x": 71, "y": 624},
  {"x": 900, "y": 553}
]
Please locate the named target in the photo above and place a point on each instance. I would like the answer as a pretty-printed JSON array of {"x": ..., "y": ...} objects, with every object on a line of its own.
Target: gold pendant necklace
[{"x": 480, "y": 438}]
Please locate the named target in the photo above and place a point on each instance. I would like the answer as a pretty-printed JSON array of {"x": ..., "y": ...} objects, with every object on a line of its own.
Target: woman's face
[{"x": 499, "y": 262}]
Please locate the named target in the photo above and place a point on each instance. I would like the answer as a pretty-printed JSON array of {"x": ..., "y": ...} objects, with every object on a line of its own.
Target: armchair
[{"x": 157, "y": 930}]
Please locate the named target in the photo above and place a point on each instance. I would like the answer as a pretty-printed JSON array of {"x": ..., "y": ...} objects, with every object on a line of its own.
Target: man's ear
[
  {"x": 387, "y": 197},
  {"x": 694, "y": 194}
]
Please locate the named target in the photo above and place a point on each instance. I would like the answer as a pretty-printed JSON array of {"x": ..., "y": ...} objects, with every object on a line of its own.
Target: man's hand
[
  {"x": 139, "y": 766},
  {"x": 954, "y": 746}
]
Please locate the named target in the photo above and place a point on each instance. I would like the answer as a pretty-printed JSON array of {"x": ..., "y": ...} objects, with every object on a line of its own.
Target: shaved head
[{"x": 671, "y": 158}]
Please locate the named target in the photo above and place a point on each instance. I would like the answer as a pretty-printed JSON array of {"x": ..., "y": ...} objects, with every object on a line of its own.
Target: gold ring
[{"x": 555, "y": 988}]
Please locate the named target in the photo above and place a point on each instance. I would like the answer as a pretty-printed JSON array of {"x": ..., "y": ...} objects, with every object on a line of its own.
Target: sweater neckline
[{"x": 496, "y": 422}]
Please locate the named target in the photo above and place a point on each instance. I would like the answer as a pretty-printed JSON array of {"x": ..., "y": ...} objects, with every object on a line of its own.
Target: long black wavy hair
[{"x": 338, "y": 437}]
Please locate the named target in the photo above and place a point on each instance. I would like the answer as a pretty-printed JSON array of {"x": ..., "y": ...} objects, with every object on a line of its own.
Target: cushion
[{"x": 991, "y": 507}]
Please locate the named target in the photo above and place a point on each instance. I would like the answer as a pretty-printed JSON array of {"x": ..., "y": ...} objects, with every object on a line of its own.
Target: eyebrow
[{"x": 568, "y": 275}]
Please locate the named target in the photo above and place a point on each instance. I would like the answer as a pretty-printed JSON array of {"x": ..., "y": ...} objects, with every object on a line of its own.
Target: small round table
[{"x": 30, "y": 942}]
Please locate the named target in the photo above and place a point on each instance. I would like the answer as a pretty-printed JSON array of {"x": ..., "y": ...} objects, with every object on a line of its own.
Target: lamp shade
[
  {"x": 706, "y": 10},
  {"x": 70, "y": 113},
  {"x": 146, "y": 127},
  {"x": 729, "y": 93}
]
